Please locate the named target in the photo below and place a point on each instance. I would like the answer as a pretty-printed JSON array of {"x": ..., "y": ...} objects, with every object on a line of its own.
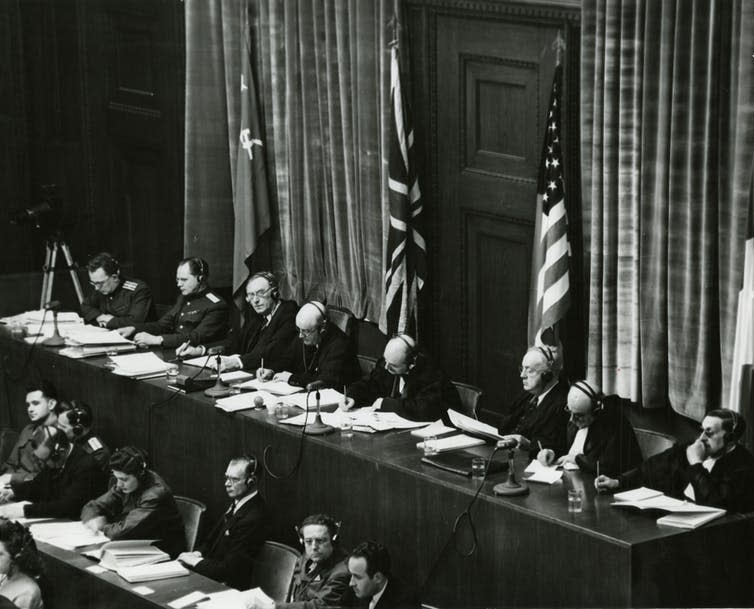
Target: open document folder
[
  {"x": 364, "y": 420},
  {"x": 472, "y": 426}
]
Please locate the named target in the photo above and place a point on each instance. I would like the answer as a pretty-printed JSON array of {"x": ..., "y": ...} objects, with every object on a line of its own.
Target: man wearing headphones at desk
[
  {"x": 405, "y": 381},
  {"x": 232, "y": 544},
  {"x": 320, "y": 577},
  {"x": 76, "y": 422},
  {"x": 322, "y": 351},
  {"x": 199, "y": 315},
  {"x": 713, "y": 470},
  {"x": 67, "y": 480},
  {"x": 537, "y": 417},
  {"x": 596, "y": 434},
  {"x": 267, "y": 334}
]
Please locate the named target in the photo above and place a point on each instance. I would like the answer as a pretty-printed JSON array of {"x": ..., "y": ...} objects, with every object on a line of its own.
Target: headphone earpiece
[
  {"x": 597, "y": 398},
  {"x": 251, "y": 469},
  {"x": 299, "y": 534}
]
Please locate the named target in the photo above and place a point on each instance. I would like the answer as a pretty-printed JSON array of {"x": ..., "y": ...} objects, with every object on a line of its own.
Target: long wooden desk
[{"x": 531, "y": 553}]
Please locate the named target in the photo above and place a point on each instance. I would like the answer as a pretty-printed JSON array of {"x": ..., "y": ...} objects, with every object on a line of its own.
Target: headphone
[
  {"x": 411, "y": 344},
  {"x": 333, "y": 527},
  {"x": 134, "y": 459},
  {"x": 596, "y": 397},
  {"x": 197, "y": 266},
  {"x": 548, "y": 373},
  {"x": 271, "y": 280},
  {"x": 319, "y": 306},
  {"x": 80, "y": 419},
  {"x": 251, "y": 468},
  {"x": 739, "y": 426},
  {"x": 53, "y": 442}
]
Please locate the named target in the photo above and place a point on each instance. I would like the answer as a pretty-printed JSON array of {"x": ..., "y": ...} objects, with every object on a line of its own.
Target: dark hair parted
[
  {"x": 129, "y": 460},
  {"x": 105, "y": 261},
  {"x": 376, "y": 556},
  {"x": 20, "y": 545},
  {"x": 322, "y": 519},
  {"x": 46, "y": 387}
]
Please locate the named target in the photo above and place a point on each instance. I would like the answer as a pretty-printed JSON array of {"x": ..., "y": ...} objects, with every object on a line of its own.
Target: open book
[
  {"x": 131, "y": 553},
  {"x": 148, "y": 573},
  {"x": 683, "y": 514}
]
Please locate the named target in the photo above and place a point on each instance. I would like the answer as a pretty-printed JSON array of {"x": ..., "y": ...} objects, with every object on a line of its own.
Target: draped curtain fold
[
  {"x": 325, "y": 85},
  {"x": 667, "y": 125}
]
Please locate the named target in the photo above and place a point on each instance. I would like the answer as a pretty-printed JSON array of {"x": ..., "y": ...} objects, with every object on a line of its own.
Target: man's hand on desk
[
  {"x": 265, "y": 374},
  {"x": 546, "y": 456},
  {"x": 6, "y": 495},
  {"x": 190, "y": 558},
  {"x": 144, "y": 339},
  {"x": 227, "y": 362},
  {"x": 603, "y": 483},
  {"x": 186, "y": 350},
  {"x": 566, "y": 459},
  {"x": 103, "y": 319},
  {"x": 96, "y": 524},
  {"x": 282, "y": 376},
  {"x": 13, "y": 510},
  {"x": 4, "y": 480},
  {"x": 126, "y": 331}
]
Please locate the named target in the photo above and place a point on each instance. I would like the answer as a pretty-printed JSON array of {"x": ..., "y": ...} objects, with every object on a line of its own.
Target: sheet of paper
[
  {"x": 139, "y": 363},
  {"x": 96, "y": 569},
  {"x": 570, "y": 466},
  {"x": 453, "y": 443},
  {"x": 235, "y": 375},
  {"x": 465, "y": 423},
  {"x": 229, "y": 599},
  {"x": 200, "y": 362},
  {"x": 143, "y": 590},
  {"x": 543, "y": 473},
  {"x": 85, "y": 336},
  {"x": 245, "y": 401},
  {"x": 636, "y": 494},
  {"x": 327, "y": 397},
  {"x": 438, "y": 428},
  {"x": 188, "y": 599},
  {"x": 275, "y": 387}
]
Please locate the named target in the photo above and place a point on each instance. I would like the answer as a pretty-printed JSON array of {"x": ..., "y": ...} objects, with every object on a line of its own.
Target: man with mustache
[{"x": 712, "y": 470}]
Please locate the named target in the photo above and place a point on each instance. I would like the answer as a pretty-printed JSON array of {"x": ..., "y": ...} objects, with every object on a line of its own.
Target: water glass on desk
[
  {"x": 478, "y": 467},
  {"x": 346, "y": 427},
  {"x": 575, "y": 501},
  {"x": 430, "y": 445},
  {"x": 171, "y": 373}
]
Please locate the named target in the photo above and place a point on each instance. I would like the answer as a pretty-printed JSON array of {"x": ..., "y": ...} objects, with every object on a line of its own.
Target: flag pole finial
[
  {"x": 394, "y": 26},
  {"x": 559, "y": 46}
]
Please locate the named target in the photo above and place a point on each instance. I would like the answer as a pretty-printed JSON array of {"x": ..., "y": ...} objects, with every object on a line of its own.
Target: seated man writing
[
  {"x": 406, "y": 381},
  {"x": 713, "y": 470}
]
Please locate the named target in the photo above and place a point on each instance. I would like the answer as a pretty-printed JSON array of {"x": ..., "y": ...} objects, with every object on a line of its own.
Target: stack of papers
[
  {"x": 327, "y": 397},
  {"x": 131, "y": 553},
  {"x": 438, "y": 428},
  {"x": 543, "y": 473},
  {"x": 32, "y": 321},
  {"x": 139, "y": 365},
  {"x": 148, "y": 573},
  {"x": 246, "y": 401},
  {"x": 274, "y": 387},
  {"x": 66, "y": 535},
  {"x": 454, "y": 443},
  {"x": 469, "y": 425},
  {"x": 683, "y": 514},
  {"x": 367, "y": 421}
]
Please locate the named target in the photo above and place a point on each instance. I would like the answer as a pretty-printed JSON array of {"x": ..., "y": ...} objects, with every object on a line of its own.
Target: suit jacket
[
  {"x": 325, "y": 586},
  {"x": 197, "y": 319},
  {"x": 149, "y": 512},
  {"x": 22, "y": 464},
  {"x": 611, "y": 441},
  {"x": 427, "y": 393},
  {"x": 730, "y": 484},
  {"x": 398, "y": 596},
  {"x": 543, "y": 423},
  {"x": 333, "y": 361},
  {"x": 232, "y": 544},
  {"x": 61, "y": 493},
  {"x": 255, "y": 340}
]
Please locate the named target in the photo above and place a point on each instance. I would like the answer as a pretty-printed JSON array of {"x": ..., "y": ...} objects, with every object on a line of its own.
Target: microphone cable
[{"x": 300, "y": 452}]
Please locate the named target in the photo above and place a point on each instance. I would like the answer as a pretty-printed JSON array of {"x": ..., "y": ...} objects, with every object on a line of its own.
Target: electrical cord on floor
[{"x": 300, "y": 453}]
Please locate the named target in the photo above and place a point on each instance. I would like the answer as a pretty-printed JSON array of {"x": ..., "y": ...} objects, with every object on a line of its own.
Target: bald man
[
  {"x": 596, "y": 433},
  {"x": 322, "y": 352},
  {"x": 406, "y": 381},
  {"x": 537, "y": 417}
]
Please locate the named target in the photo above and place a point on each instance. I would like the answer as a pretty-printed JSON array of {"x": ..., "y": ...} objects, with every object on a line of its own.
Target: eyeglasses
[
  {"x": 233, "y": 480},
  {"x": 306, "y": 333},
  {"x": 259, "y": 294},
  {"x": 99, "y": 284},
  {"x": 528, "y": 371},
  {"x": 320, "y": 541}
]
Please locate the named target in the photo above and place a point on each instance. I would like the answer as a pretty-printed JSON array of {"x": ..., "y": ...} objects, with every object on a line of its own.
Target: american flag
[
  {"x": 551, "y": 248},
  {"x": 406, "y": 265}
]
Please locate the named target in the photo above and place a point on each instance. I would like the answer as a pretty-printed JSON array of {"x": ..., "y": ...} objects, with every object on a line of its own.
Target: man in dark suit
[
  {"x": 263, "y": 342},
  {"x": 372, "y": 582},
  {"x": 537, "y": 418},
  {"x": 322, "y": 351},
  {"x": 228, "y": 551},
  {"x": 595, "y": 434},
  {"x": 406, "y": 381},
  {"x": 68, "y": 479}
]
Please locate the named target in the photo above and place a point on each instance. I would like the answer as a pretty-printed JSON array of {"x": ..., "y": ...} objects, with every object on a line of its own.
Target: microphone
[
  {"x": 215, "y": 350},
  {"x": 509, "y": 443},
  {"x": 53, "y": 304},
  {"x": 314, "y": 385}
]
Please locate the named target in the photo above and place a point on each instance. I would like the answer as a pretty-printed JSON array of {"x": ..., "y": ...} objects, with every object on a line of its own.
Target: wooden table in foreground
[{"x": 531, "y": 552}]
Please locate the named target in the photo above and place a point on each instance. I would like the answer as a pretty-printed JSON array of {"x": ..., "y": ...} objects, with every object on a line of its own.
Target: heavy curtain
[
  {"x": 324, "y": 79},
  {"x": 667, "y": 126}
]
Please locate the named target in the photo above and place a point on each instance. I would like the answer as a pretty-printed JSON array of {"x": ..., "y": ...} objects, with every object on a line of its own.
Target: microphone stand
[
  {"x": 511, "y": 487},
  {"x": 220, "y": 389},
  {"x": 318, "y": 428},
  {"x": 55, "y": 340}
]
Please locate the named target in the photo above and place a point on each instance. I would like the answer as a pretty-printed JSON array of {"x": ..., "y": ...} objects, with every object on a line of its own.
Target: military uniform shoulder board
[
  {"x": 130, "y": 285},
  {"x": 94, "y": 444},
  {"x": 212, "y": 297}
]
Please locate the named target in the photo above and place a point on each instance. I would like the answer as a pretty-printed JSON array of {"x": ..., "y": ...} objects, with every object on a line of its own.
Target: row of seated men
[
  {"x": 549, "y": 419},
  {"x": 59, "y": 468}
]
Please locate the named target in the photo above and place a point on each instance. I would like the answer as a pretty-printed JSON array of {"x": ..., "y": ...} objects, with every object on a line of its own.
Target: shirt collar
[
  {"x": 542, "y": 395},
  {"x": 376, "y": 598},
  {"x": 237, "y": 504},
  {"x": 268, "y": 317}
]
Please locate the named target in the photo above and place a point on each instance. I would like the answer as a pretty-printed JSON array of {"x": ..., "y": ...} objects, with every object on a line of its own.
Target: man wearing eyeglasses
[
  {"x": 262, "y": 345},
  {"x": 115, "y": 301},
  {"x": 537, "y": 419},
  {"x": 228, "y": 551},
  {"x": 598, "y": 437},
  {"x": 713, "y": 470},
  {"x": 322, "y": 351}
]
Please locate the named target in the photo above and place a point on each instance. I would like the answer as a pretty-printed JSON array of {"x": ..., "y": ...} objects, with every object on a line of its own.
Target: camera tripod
[{"x": 52, "y": 246}]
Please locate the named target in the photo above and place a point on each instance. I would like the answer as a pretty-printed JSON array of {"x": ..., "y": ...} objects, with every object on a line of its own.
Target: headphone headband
[
  {"x": 406, "y": 340},
  {"x": 319, "y": 306},
  {"x": 596, "y": 398}
]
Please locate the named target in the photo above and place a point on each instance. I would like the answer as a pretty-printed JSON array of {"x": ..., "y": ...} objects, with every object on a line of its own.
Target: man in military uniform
[
  {"x": 199, "y": 316},
  {"x": 76, "y": 422},
  {"x": 115, "y": 301}
]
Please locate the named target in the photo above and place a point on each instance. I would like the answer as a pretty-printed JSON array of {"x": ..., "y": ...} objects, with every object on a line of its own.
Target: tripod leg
[
  {"x": 45, "y": 275},
  {"x": 51, "y": 272},
  {"x": 72, "y": 270}
]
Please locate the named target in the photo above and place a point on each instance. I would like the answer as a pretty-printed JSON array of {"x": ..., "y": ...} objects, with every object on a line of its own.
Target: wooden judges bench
[{"x": 531, "y": 552}]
